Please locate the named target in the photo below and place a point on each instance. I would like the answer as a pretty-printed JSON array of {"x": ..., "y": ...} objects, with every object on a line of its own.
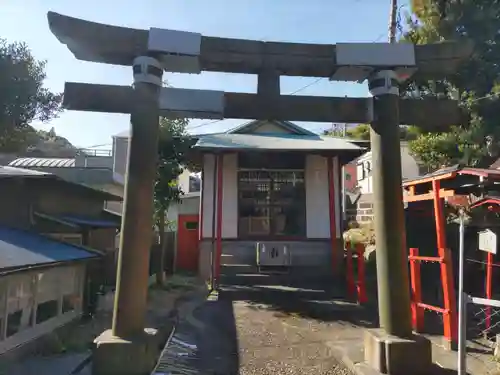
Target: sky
[{"x": 307, "y": 21}]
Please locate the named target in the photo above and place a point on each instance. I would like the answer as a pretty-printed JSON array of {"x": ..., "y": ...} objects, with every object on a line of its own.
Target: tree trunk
[{"x": 160, "y": 275}]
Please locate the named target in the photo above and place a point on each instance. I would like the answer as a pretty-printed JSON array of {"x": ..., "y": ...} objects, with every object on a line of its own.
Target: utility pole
[{"x": 393, "y": 21}]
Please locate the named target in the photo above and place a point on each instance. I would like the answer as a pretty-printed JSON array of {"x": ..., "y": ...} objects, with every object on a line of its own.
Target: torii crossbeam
[{"x": 393, "y": 349}]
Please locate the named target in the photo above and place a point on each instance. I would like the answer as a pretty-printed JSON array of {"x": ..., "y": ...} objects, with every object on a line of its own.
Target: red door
[{"x": 187, "y": 243}]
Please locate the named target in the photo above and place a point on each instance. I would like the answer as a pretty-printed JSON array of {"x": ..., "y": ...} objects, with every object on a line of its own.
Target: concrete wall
[{"x": 317, "y": 215}]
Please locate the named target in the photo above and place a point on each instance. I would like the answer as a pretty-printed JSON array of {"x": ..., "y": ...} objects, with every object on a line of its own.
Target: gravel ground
[
  {"x": 265, "y": 331},
  {"x": 274, "y": 343}
]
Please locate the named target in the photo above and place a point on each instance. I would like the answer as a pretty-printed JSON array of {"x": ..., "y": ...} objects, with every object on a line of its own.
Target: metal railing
[{"x": 480, "y": 327}]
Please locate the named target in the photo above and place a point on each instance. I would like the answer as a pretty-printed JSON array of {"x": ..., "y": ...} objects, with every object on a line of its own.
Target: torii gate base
[
  {"x": 116, "y": 355},
  {"x": 384, "y": 353}
]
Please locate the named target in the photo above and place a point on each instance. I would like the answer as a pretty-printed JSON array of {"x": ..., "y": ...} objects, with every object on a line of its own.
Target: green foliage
[
  {"x": 23, "y": 99},
  {"x": 362, "y": 132},
  {"x": 476, "y": 84},
  {"x": 173, "y": 145}
]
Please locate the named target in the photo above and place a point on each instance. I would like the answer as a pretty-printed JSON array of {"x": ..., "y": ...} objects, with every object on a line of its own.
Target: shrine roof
[{"x": 275, "y": 142}]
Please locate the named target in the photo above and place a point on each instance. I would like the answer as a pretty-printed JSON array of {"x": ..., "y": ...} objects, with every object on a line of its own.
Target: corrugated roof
[
  {"x": 43, "y": 163},
  {"x": 7, "y": 171},
  {"x": 278, "y": 142},
  {"x": 20, "y": 249}
]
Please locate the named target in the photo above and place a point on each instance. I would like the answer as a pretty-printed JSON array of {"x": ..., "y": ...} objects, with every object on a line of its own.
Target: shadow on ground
[
  {"x": 320, "y": 297},
  {"x": 217, "y": 341}
]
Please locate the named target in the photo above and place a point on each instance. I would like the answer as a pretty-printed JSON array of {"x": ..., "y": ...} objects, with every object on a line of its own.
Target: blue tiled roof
[
  {"x": 19, "y": 249},
  {"x": 91, "y": 222}
]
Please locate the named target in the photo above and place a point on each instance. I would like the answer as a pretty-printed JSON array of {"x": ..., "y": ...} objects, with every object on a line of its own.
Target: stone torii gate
[{"x": 130, "y": 349}]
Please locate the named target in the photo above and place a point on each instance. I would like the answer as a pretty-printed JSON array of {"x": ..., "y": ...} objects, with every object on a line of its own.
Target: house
[
  {"x": 50, "y": 229},
  {"x": 274, "y": 184},
  {"x": 33, "y": 200},
  {"x": 362, "y": 209},
  {"x": 409, "y": 169},
  {"x": 189, "y": 201},
  {"x": 93, "y": 168},
  {"x": 182, "y": 216},
  {"x": 42, "y": 285},
  {"x": 188, "y": 182}
]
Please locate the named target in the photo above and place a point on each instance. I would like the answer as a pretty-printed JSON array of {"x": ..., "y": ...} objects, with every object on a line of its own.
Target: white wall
[
  {"x": 409, "y": 169},
  {"x": 229, "y": 196},
  {"x": 207, "y": 195},
  {"x": 317, "y": 212}
]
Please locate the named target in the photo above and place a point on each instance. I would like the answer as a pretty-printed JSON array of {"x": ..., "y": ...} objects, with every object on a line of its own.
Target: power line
[{"x": 292, "y": 93}]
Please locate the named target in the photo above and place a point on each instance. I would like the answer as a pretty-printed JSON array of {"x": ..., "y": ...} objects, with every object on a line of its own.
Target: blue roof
[
  {"x": 19, "y": 249},
  {"x": 89, "y": 221}
]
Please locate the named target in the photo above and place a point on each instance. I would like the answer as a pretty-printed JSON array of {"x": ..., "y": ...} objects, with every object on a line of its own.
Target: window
[
  {"x": 191, "y": 225},
  {"x": 48, "y": 295},
  {"x": 19, "y": 304},
  {"x": 364, "y": 170},
  {"x": 70, "y": 288},
  {"x": 194, "y": 184},
  {"x": 271, "y": 203}
]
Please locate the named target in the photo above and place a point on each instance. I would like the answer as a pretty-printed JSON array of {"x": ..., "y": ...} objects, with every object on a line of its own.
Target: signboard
[{"x": 488, "y": 241}]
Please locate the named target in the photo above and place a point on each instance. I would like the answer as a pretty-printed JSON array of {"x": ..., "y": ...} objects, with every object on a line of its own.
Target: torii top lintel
[{"x": 116, "y": 45}]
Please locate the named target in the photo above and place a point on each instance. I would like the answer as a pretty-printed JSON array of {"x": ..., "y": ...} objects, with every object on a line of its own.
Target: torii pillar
[{"x": 128, "y": 348}]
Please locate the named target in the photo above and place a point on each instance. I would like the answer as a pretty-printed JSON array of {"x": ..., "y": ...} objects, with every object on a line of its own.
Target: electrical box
[
  {"x": 273, "y": 256},
  {"x": 356, "y": 61},
  {"x": 179, "y": 51}
]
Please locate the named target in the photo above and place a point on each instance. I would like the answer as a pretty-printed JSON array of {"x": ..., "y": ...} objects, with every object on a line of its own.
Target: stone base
[
  {"x": 118, "y": 356},
  {"x": 396, "y": 356}
]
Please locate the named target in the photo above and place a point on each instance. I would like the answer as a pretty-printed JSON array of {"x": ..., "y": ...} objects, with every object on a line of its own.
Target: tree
[
  {"x": 23, "y": 99},
  {"x": 362, "y": 132},
  {"x": 173, "y": 145},
  {"x": 476, "y": 84}
]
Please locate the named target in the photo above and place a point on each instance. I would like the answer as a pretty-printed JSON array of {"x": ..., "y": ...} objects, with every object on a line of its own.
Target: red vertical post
[
  {"x": 416, "y": 288},
  {"x": 450, "y": 304},
  {"x": 220, "y": 167},
  {"x": 202, "y": 200},
  {"x": 331, "y": 209},
  {"x": 362, "y": 298},
  {"x": 489, "y": 281},
  {"x": 349, "y": 271}
]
